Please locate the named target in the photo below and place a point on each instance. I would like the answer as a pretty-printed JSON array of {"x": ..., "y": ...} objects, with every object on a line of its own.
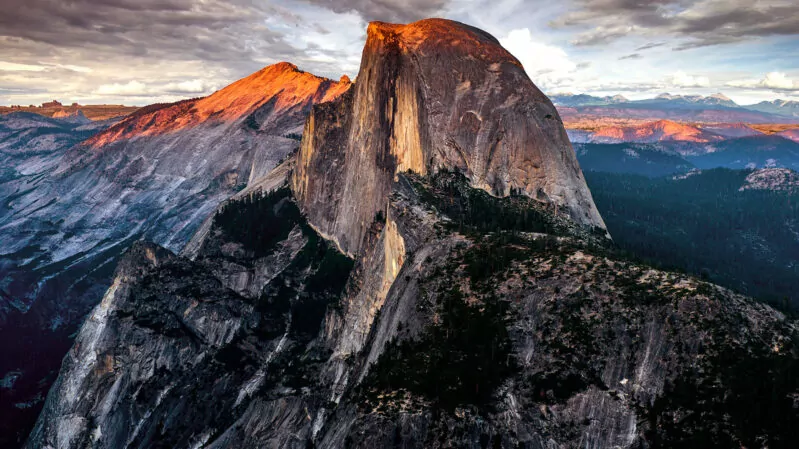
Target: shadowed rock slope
[
  {"x": 471, "y": 321},
  {"x": 434, "y": 94}
]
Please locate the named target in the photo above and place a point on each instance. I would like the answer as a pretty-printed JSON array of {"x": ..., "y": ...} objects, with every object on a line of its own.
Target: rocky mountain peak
[
  {"x": 283, "y": 81},
  {"x": 447, "y": 35},
  {"x": 434, "y": 95},
  {"x": 282, "y": 86}
]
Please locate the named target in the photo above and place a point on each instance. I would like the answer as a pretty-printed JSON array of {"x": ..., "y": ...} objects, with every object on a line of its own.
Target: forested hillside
[{"x": 704, "y": 224}]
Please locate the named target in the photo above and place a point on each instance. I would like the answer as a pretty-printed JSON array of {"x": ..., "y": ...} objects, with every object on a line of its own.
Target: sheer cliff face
[{"x": 430, "y": 95}]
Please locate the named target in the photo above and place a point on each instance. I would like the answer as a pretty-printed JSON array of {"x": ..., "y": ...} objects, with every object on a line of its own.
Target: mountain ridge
[
  {"x": 232, "y": 102},
  {"x": 714, "y": 105},
  {"x": 157, "y": 175}
]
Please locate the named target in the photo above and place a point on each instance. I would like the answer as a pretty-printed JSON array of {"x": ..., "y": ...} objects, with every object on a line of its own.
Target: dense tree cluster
[{"x": 703, "y": 224}]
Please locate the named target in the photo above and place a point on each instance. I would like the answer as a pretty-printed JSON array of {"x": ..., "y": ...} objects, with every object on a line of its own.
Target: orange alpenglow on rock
[
  {"x": 282, "y": 84},
  {"x": 655, "y": 132},
  {"x": 431, "y": 95}
]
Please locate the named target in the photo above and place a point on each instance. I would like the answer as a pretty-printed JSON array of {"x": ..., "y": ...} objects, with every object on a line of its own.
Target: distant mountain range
[
  {"x": 766, "y": 111},
  {"x": 55, "y": 109},
  {"x": 780, "y": 107},
  {"x": 668, "y": 131},
  {"x": 661, "y": 130},
  {"x": 665, "y": 147}
]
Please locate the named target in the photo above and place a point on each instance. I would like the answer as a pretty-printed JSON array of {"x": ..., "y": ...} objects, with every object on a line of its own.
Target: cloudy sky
[{"x": 145, "y": 51}]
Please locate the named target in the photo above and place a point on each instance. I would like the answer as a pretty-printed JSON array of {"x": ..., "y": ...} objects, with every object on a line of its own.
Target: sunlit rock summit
[{"x": 432, "y": 95}]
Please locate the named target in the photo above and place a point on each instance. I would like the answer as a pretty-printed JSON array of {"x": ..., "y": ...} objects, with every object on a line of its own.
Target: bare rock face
[
  {"x": 68, "y": 212},
  {"x": 452, "y": 330},
  {"x": 432, "y": 95},
  {"x": 156, "y": 174}
]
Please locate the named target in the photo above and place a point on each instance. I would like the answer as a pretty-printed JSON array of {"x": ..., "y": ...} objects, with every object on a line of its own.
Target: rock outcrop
[
  {"x": 772, "y": 179},
  {"x": 433, "y": 95},
  {"x": 66, "y": 216}
]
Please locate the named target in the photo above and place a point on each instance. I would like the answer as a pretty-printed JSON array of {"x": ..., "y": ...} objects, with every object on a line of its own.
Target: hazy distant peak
[{"x": 720, "y": 96}]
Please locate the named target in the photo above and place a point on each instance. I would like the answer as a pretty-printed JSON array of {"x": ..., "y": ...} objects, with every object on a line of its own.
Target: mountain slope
[
  {"x": 792, "y": 134},
  {"x": 466, "y": 316},
  {"x": 731, "y": 129},
  {"x": 642, "y": 159},
  {"x": 157, "y": 174},
  {"x": 490, "y": 336},
  {"x": 750, "y": 152},
  {"x": 738, "y": 228}
]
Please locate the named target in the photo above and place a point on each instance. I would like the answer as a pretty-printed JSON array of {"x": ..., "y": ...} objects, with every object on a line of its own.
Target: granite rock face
[
  {"x": 156, "y": 174},
  {"x": 454, "y": 329},
  {"x": 75, "y": 197},
  {"x": 430, "y": 95}
]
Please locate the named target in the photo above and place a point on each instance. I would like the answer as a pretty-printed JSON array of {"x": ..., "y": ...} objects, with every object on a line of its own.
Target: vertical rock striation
[{"x": 432, "y": 95}]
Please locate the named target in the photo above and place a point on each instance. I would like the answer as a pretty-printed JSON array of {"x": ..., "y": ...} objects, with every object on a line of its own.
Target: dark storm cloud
[
  {"x": 214, "y": 30},
  {"x": 650, "y": 45},
  {"x": 701, "y": 22},
  {"x": 401, "y": 11}
]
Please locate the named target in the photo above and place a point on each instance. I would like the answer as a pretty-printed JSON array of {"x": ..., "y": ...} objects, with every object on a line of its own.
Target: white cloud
[
  {"x": 76, "y": 68},
  {"x": 138, "y": 89},
  {"x": 772, "y": 80},
  {"x": 187, "y": 87},
  {"x": 14, "y": 67},
  {"x": 778, "y": 80},
  {"x": 131, "y": 88},
  {"x": 546, "y": 65},
  {"x": 682, "y": 79}
]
